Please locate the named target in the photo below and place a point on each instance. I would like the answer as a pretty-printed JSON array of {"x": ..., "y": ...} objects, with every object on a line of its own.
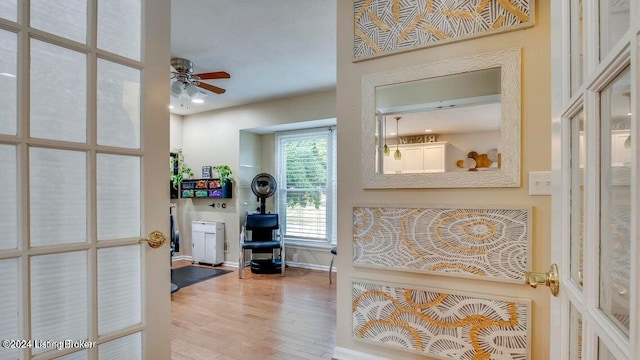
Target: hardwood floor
[{"x": 258, "y": 317}]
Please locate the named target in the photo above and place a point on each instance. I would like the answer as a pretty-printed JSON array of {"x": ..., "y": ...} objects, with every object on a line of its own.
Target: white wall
[
  {"x": 213, "y": 138},
  {"x": 268, "y": 153},
  {"x": 175, "y": 132},
  {"x": 250, "y": 166}
]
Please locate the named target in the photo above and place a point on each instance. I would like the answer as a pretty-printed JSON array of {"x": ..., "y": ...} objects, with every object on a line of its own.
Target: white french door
[
  {"x": 84, "y": 143},
  {"x": 595, "y": 175}
]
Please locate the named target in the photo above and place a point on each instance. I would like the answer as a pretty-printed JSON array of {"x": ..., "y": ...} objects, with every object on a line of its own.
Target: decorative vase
[{"x": 227, "y": 189}]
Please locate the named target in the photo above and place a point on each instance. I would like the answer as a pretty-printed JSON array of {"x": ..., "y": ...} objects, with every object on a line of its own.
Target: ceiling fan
[{"x": 187, "y": 83}]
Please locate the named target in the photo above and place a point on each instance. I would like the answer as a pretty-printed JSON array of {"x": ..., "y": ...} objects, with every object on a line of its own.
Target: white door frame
[{"x": 156, "y": 302}]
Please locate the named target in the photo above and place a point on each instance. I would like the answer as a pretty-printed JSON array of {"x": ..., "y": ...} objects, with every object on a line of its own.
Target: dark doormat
[{"x": 189, "y": 275}]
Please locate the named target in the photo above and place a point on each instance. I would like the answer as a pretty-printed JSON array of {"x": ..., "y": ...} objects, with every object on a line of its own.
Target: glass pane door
[
  {"x": 577, "y": 44},
  {"x": 577, "y": 198},
  {"x": 595, "y": 156},
  {"x": 615, "y": 200},
  {"x": 8, "y": 81},
  {"x": 614, "y": 22},
  {"x": 71, "y": 185}
]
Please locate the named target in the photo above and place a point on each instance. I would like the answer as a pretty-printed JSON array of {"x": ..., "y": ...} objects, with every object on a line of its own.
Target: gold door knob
[
  {"x": 550, "y": 279},
  {"x": 155, "y": 239}
]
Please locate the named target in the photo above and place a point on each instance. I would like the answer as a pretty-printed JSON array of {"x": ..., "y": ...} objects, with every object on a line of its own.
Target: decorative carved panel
[
  {"x": 383, "y": 27},
  {"x": 489, "y": 244},
  {"x": 441, "y": 324}
]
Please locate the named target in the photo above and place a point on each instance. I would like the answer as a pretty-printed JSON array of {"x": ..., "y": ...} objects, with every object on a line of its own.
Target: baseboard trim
[
  {"x": 292, "y": 264},
  {"x": 289, "y": 263},
  {"x": 181, "y": 257},
  {"x": 348, "y": 354}
]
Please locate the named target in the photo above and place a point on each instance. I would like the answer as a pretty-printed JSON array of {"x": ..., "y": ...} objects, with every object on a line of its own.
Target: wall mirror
[{"x": 446, "y": 124}]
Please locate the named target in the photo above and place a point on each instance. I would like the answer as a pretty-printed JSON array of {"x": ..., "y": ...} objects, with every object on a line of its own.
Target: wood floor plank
[{"x": 258, "y": 317}]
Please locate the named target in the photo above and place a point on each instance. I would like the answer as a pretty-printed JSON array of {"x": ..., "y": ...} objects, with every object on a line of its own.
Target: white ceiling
[
  {"x": 457, "y": 120},
  {"x": 271, "y": 49}
]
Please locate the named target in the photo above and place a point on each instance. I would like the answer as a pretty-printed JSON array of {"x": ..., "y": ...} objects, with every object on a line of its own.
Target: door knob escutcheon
[{"x": 550, "y": 279}]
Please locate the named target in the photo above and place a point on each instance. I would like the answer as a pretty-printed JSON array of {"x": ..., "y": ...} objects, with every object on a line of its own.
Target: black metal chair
[
  {"x": 334, "y": 252},
  {"x": 261, "y": 234},
  {"x": 174, "y": 246}
]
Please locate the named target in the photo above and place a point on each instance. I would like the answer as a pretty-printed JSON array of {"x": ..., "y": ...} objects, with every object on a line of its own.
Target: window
[{"x": 306, "y": 198}]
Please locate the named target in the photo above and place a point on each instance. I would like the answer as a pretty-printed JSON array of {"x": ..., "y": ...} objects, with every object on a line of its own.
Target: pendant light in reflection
[
  {"x": 385, "y": 148},
  {"x": 397, "y": 155}
]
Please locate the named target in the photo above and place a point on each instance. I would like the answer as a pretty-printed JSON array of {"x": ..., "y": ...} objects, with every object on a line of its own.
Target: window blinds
[{"x": 306, "y": 179}]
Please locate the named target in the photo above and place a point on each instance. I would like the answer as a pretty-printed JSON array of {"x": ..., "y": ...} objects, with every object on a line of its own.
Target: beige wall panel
[{"x": 536, "y": 130}]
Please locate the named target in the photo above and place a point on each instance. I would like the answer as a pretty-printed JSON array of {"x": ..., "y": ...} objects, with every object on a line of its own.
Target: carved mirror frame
[{"x": 509, "y": 173}]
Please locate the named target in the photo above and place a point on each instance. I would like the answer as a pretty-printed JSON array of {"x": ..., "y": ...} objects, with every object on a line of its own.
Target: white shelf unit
[
  {"x": 207, "y": 242},
  {"x": 417, "y": 158}
]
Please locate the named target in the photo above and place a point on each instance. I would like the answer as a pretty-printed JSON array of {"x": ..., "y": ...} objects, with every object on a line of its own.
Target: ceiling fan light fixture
[
  {"x": 192, "y": 91},
  {"x": 176, "y": 89},
  {"x": 189, "y": 86}
]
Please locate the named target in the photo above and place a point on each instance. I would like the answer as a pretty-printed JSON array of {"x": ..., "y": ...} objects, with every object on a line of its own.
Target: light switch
[{"x": 540, "y": 183}]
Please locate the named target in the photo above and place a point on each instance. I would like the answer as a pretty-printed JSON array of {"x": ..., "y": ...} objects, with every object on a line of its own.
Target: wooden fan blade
[
  {"x": 211, "y": 88},
  {"x": 214, "y": 75}
]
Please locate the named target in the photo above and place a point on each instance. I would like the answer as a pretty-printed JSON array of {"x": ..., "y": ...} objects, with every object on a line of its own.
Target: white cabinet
[
  {"x": 620, "y": 148},
  {"x": 391, "y": 165},
  {"x": 417, "y": 158},
  {"x": 435, "y": 158},
  {"x": 412, "y": 159},
  {"x": 207, "y": 242},
  {"x": 620, "y": 153}
]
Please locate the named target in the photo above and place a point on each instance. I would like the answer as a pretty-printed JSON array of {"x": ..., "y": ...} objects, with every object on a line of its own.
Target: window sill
[{"x": 306, "y": 245}]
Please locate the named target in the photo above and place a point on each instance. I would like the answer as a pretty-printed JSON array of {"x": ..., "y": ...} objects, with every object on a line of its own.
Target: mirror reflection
[
  {"x": 448, "y": 123},
  {"x": 471, "y": 104}
]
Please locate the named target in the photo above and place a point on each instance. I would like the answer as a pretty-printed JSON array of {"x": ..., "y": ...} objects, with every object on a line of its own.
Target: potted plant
[
  {"x": 224, "y": 172},
  {"x": 178, "y": 169}
]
